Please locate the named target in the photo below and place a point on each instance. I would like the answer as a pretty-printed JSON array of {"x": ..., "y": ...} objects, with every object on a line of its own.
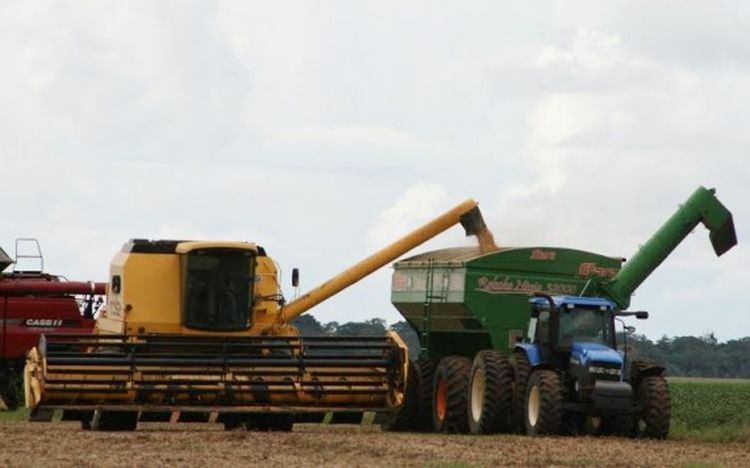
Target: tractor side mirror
[
  {"x": 534, "y": 312},
  {"x": 642, "y": 315},
  {"x": 295, "y": 277},
  {"x": 629, "y": 329}
]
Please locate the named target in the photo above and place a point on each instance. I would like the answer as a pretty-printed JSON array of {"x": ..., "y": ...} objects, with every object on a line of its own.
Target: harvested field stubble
[{"x": 23, "y": 443}]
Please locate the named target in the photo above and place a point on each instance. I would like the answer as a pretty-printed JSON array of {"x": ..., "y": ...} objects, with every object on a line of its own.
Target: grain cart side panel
[
  {"x": 499, "y": 285},
  {"x": 462, "y": 300}
]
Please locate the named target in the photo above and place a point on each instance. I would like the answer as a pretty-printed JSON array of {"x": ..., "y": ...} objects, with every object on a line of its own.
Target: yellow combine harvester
[{"x": 200, "y": 331}]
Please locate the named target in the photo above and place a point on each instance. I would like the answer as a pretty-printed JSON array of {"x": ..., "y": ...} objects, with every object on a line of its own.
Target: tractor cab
[
  {"x": 575, "y": 337},
  {"x": 562, "y": 323}
]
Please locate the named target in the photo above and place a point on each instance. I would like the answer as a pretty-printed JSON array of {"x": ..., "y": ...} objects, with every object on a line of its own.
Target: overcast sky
[{"x": 322, "y": 130}]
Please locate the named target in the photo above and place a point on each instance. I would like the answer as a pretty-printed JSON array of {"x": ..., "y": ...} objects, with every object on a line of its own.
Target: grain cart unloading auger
[
  {"x": 200, "y": 331},
  {"x": 495, "y": 360}
]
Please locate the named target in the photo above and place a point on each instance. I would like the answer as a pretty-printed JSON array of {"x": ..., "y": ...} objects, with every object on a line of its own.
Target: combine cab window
[{"x": 217, "y": 289}]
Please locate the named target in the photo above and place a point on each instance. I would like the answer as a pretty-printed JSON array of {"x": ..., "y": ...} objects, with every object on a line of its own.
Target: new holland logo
[{"x": 43, "y": 322}]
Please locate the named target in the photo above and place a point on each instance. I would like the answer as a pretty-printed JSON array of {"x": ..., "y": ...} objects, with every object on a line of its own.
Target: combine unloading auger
[
  {"x": 701, "y": 207},
  {"x": 200, "y": 329}
]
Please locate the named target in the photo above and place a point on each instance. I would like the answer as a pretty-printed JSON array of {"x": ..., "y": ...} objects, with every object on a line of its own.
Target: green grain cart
[{"x": 490, "y": 326}]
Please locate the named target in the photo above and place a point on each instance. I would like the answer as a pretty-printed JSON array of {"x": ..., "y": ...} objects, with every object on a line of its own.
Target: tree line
[
  {"x": 691, "y": 356},
  {"x": 686, "y": 356}
]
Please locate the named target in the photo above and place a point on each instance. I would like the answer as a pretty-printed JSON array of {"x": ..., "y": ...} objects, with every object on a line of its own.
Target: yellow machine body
[
  {"x": 150, "y": 298},
  {"x": 201, "y": 326}
]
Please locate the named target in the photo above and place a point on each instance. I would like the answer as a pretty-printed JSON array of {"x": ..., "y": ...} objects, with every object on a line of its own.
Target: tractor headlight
[{"x": 604, "y": 370}]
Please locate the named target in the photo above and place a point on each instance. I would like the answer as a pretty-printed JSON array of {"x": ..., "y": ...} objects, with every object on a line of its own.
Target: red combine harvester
[{"x": 33, "y": 303}]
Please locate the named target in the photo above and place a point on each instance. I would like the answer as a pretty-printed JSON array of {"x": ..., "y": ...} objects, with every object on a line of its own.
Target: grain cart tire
[
  {"x": 425, "y": 371},
  {"x": 112, "y": 421},
  {"x": 521, "y": 371},
  {"x": 544, "y": 399},
  {"x": 490, "y": 393},
  {"x": 405, "y": 418},
  {"x": 653, "y": 395},
  {"x": 450, "y": 392}
]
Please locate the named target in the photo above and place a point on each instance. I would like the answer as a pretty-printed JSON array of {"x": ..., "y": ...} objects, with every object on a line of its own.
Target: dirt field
[{"x": 41, "y": 444}]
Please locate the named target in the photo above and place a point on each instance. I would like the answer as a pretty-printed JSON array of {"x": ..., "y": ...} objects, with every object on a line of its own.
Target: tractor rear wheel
[
  {"x": 450, "y": 391},
  {"x": 490, "y": 393},
  {"x": 425, "y": 372},
  {"x": 544, "y": 398},
  {"x": 521, "y": 371},
  {"x": 653, "y": 395},
  {"x": 405, "y": 418}
]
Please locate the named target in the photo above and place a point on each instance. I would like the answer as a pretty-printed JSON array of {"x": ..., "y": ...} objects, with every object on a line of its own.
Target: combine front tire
[
  {"x": 406, "y": 417},
  {"x": 111, "y": 421},
  {"x": 544, "y": 398},
  {"x": 653, "y": 395},
  {"x": 490, "y": 393},
  {"x": 270, "y": 422},
  {"x": 450, "y": 393},
  {"x": 11, "y": 389}
]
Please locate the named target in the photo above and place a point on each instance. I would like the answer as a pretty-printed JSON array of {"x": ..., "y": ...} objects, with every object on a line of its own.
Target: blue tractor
[{"x": 571, "y": 377}]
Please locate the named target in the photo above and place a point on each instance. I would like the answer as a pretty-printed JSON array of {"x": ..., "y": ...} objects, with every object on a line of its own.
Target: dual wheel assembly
[
  {"x": 495, "y": 394},
  {"x": 475, "y": 397}
]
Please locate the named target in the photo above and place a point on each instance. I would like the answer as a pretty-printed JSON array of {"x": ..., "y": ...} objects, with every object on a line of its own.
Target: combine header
[{"x": 200, "y": 331}]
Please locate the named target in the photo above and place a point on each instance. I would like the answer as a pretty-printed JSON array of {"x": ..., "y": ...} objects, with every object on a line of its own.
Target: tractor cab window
[
  {"x": 587, "y": 325},
  {"x": 217, "y": 289},
  {"x": 542, "y": 328}
]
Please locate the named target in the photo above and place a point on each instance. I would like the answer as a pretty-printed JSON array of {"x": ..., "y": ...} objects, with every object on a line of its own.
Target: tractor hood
[{"x": 586, "y": 353}]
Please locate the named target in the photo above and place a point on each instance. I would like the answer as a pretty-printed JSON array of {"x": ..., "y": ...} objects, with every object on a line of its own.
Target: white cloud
[
  {"x": 590, "y": 49},
  {"x": 326, "y": 130},
  {"x": 416, "y": 206}
]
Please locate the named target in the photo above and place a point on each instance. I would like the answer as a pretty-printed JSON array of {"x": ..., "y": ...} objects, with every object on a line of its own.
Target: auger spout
[
  {"x": 701, "y": 207},
  {"x": 466, "y": 213}
]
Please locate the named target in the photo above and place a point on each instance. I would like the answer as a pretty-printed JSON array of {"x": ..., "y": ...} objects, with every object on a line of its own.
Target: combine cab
[{"x": 200, "y": 331}]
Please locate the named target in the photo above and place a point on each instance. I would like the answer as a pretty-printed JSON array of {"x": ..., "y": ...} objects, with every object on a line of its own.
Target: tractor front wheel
[
  {"x": 653, "y": 395},
  {"x": 450, "y": 391},
  {"x": 544, "y": 398},
  {"x": 490, "y": 393}
]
